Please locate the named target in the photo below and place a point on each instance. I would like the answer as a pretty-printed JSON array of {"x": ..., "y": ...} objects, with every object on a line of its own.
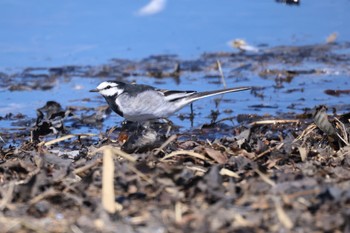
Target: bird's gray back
[
  {"x": 135, "y": 89},
  {"x": 148, "y": 104}
]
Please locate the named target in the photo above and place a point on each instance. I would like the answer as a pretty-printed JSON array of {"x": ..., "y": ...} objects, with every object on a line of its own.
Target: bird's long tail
[{"x": 200, "y": 95}]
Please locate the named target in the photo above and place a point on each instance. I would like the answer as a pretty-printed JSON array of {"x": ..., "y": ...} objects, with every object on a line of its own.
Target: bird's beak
[{"x": 94, "y": 90}]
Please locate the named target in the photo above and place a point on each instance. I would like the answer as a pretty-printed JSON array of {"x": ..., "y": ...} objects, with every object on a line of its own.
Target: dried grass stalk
[
  {"x": 185, "y": 152},
  {"x": 108, "y": 198}
]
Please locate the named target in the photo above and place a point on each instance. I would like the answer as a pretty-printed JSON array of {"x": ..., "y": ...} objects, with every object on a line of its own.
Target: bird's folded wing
[{"x": 175, "y": 95}]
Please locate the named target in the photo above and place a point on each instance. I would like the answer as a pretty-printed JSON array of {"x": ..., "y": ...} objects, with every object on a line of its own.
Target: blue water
[{"x": 48, "y": 33}]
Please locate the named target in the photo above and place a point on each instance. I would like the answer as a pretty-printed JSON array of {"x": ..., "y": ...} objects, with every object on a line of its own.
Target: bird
[{"x": 141, "y": 103}]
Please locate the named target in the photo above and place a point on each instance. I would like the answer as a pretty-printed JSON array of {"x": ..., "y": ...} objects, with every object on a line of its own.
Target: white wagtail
[{"x": 139, "y": 103}]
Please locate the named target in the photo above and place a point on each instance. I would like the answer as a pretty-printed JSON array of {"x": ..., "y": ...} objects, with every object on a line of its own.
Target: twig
[
  {"x": 266, "y": 122},
  {"x": 137, "y": 220},
  {"x": 65, "y": 137},
  {"x": 277, "y": 147},
  {"x": 221, "y": 74},
  {"x": 343, "y": 130},
  {"x": 48, "y": 193},
  {"x": 137, "y": 172},
  {"x": 123, "y": 154},
  {"x": 87, "y": 166},
  {"x": 342, "y": 139},
  {"x": 185, "y": 152},
  {"x": 302, "y": 193},
  {"x": 178, "y": 212},
  {"x": 197, "y": 169},
  {"x": 227, "y": 172},
  {"x": 306, "y": 131},
  {"x": 282, "y": 215},
  {"x": 111, "y": 130},
  {"x": 225, "y": 119},
  {"x": 116, "y": 151},
  {"x": 167, "y": 142},
  {"x": 265, "y": 178},
  {"x": 108, "y": 198}
]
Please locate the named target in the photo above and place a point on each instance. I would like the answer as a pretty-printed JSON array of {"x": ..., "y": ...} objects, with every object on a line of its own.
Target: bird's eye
[{"x": 108, "y": 87}]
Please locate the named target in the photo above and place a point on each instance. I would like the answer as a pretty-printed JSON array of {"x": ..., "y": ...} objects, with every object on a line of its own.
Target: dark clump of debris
[{"x": 271, "y": 174}]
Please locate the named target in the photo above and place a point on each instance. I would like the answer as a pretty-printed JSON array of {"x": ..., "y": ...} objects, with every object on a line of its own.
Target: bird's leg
[
  {"x": 169, "y": 124},
  {"x": 167, "y": 121},
  {"x": 168, "y": 131}
]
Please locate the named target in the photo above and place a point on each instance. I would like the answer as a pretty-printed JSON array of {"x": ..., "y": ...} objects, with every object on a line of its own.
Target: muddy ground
[{"x": 282, "y": 172}]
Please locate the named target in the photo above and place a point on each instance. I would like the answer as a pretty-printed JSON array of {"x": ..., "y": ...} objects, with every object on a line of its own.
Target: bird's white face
[{"x": 109, "y": 89}]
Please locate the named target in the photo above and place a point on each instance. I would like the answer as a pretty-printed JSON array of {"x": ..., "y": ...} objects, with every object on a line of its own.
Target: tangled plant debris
[{"x": 268, "y": 173}]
